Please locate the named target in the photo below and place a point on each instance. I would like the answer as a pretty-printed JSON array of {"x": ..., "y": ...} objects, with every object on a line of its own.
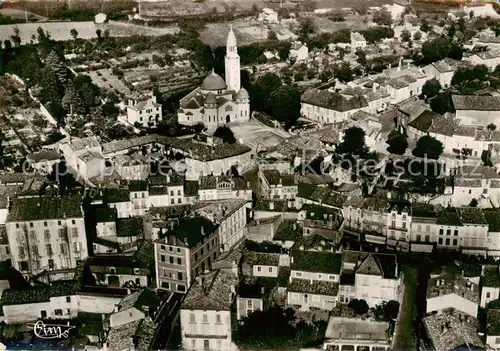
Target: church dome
[
  {"x": 243, "y": 94},
  {"x": 213, "y": 82},
  {"x": 210, "y": 99}
]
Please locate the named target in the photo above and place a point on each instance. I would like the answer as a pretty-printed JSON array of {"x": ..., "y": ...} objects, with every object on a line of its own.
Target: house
[
  {"x": 250, "y": 298},
  {"x": 166, "y": 190},
  {"x": 205, "y": 314},
  {"x": 273, "y": 185},
  {"x": 298, "y": 52},
  {"x": 262, "y": 264},
  {"x": 268, "y": 15},
  {"x": 83, "y": 156},
  {"x": 144, "y": 111},
  {"x": 421, "y": 125},
  {"x": 314, "y": 279},
  {"x": 43, "y": 161},
  {"x": 443, "y": 70},
  {"x": 185, "y": 252},
  {"x": 490, "y": 284},
  {"x": 397, "y": 9},
  {"x": 346, "y": 333},
  {"x": 288, "y": 233},
  {"x": 100, "y": 18},
  {"x": 118, "y": 199},
  {"x": 46, "y": 233},
  {"x": 326, "y": 107},
  {"x": 105, "y": 222},
  {"x": 472, "y": 182},
  {"x": 369, "y": 123},
  {"x": 60, "y": 300},
  {"x": 139, "y": 194},
  {"x": 132, "y": 167},
  {"x": 378, "y": 98},
  {"x": 223, "y": 187},
  {"x": 452, "y": 330},
  {"x": 319, "y": 195},
  {"x": 120, "y": 271},
  {"x": 451, "y": 290},
  {"x": 492, "y": 216},
  {"x": 136, "y": 306},
  {"x": 323, "y": 221},
  {"x": 358, "y": 41},
  {"x": 477, "y": 110},
  {"x": 373, "y": 277},
  {"x": 489, "y": 58}
]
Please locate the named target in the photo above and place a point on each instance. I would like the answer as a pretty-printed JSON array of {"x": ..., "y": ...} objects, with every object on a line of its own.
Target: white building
[
  {"x": 477, "y": 110},
  {"x": 46, "y": 233},
  {"x": 83, "y": 156},
  {"x": 268, "y": 15},
  {"x": 206, "y": 312},
  {"x": 490, "y": 58},
  {"x": 144, "y": 110},
  {"x": 358, "y": 41},
  {"x": 443, "y": 70},
  {"x": 298, "y": 52},
  {"x": 490, "y": 284},
  {"x": 218, "y": 102}
]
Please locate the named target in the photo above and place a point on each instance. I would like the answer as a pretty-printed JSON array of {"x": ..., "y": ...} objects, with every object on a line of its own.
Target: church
[{"x": 218, "y": 102}]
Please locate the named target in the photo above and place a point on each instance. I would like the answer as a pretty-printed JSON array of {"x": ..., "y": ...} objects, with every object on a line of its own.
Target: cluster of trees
[
  {"x": 382, "y": 17},
  {"x": 226, "y": 134},
  {"x": 439, "y": 48},
  {"x": 377, "y": 33},
  {"x": 398, "y": 142},
  {"x": 276, "y": 328},
  {"x": 268, "y": 94},
  {"x": 429, "y": 147}
]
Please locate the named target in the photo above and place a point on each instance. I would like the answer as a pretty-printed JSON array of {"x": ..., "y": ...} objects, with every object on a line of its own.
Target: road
[{"x": 167, "y": 328}]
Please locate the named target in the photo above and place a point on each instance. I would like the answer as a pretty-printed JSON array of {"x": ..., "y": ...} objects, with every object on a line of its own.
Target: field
[{"x": 86, "y": 30}]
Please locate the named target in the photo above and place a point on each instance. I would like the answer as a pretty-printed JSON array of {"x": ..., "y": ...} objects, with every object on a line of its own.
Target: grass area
[{"x": 405, "y": 338}]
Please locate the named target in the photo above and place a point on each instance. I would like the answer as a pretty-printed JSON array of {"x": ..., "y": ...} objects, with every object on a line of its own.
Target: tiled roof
[
  {"x": 320, "y": 262},
  {"x": 50, "y": 155},
  {"x": 491, "y": 276},
  {"x": 332, "y": 101},
  {"x": 313, "y": 287},
  {"x": 124, "y": 144},
  {"x": 288, "y": 230},
  {"x": 424, "y": 121},
  {"x": 39, "y": 208},
  {"x": 449, "y": 216},
  {"x": 443, "y": 125},
  {"x": 472, "y": 215},
  {"x": 114, "y": 195},
  {"x": 39, "y": 293},
  {"x": 84, "y": 143},
  {"x": 211, "y": 291},
  {"x": 492, "y": 216},
  {"x": 138, "y": 185},
  {"x": 450, "y": 283},
  {"x": 253, "y": 258},
  {"x": 104, "y": 215},
  {"x": 476, "y": 102},
  {"x": 138, "y": 299},
  {"x": 448, "y": 331},
  {"x": 275, "y": 178},
  {"x": 204, "y": 152},
  {"x": 132, "y": 226},
  {"x": 251, "y": 291},
  {"x": 493, "y": 322}
]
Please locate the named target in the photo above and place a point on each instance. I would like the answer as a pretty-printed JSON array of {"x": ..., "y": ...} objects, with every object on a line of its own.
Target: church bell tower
[{"x": 232, "y": 63}]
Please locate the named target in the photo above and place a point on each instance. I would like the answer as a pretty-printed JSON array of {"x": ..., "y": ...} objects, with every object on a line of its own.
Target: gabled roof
[
  {"x": 40, "y": 208},
  {"x": 476, "y": 102},
  {"x": 332, "y": 101},
  {"x": 316, "y": 262},
  {"x": 138, "y": 299},
  {"x": 369, "y": 266}
]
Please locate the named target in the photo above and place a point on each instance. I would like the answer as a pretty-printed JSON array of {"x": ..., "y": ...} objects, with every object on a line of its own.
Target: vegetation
[
  {"x": 382, "y": 17},
  {"x": 359, "y": 307},
  {"x": 429, "y": 147},
  {"x": 397, "y": 143},
  {"x": 353, "y": 142},
  {"x": 226, "y": 134},
  {"x": 431, "y": 88}
]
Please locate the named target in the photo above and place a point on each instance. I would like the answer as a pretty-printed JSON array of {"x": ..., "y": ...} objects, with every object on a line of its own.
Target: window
[
  {"x": 73, "y": 221},
  {"x": 17, "y": 225},
  {"x": 162, "y": 247},
  {"x": 178, "y": 250},
  {"x": 179, "y": 276},
  {"x": 428, "y": 228},
  {"x": 470, "y": 191},
  {"x": 488, "y": 295},
  {"x": 165, "y": 285},
  {"x": 447, "y": 241},
  {"x": 59, "y": 222},
  {"x": 217, "y": 319},
  {"x": 171, "y": 259},
  {"x": 58, "y": 312},
  {"x": 205, "y": 318},
  {"x": 181, "y": 288},
  {"x": 179, "y": 200},
  {"x": 206, "y": 344},
  {"x": 162, "y": 257},
  {"x": 51, "y": 264},
  {"x": 44, "y": 224},
  {"x": 427, "y": 238},
  {"x": 440, "y": 241},
  {"x": 249, "y": 303},
  {"x": 43, "y": 314},
  {"x": 270, "y": 269},
  {"x": 259, "y": 268},
  {"x": 68, "y": 299},
  {"x": 192, "y": 318},
  {"x": 455, "y": 233},
  {"x": 454, "y": 242},
  {"x": 62, "y": 248},
  {"x": 404, "y": 225},
  {"x": 441, "y": 231},
  {"x": 448, "y": 231},
  {"x": 419, "y": 238},
  {"x": 46, "y": 234},
  {"x": 31, "y": 224},
  {"x": 179, "y": 260}
]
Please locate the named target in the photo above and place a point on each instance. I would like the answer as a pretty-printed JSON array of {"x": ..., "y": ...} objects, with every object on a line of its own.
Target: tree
[
  {"x": 226, "y": 134},
  {"x": 491, "y": 126},
  {"x": 358, "y": 306},
  {"x": 53, "y": 62},
  {"x": 391, "y": 310},
  {"x": 417, "y": 35},
  {"x": 16, "y": 37},
  {"x": 361, "y": 57},
  {"x": 431, "y": 88},
  {"x": 361, "y": 9},
  {"x": 442, "y": 103},
  {"x": 382, "y": 17},
  {"x": 405, "y": 36},
  {"x": 397, "y": 143},
  {"x": 425, "y": 27},
  {"x": 262, "y": 89},
  {"x": 473, "y": 203},
  {"x": 306, "y": 27},
  {"x": 72, "y": 102},
  {"x": 343, "y": 72},
  {"x": 271, "y": 35},
  {"x": 429, "y": 147},
  {"x": 486, "y": 158},
  {"x": 285, "y": 105},
  {"x": 353, "y": 142},
  {"x": 74, "y": 33}
]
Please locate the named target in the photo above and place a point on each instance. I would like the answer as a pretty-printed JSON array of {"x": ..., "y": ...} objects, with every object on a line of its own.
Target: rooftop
[
  {"x": 472, "y": 215},
  {"x": 343, "y": 328},
  {"x": 40, "y": 208},
  {"x": 450, "y": 283},
  {"x": 114, "y": 195},
  {"x": 493, "y": 322},
  {"x": 251, "y": 291},
  {"x": 132, "y": 226},
  {"x": 452, "y": 331},
  {"x": 332, "y": 101},
  {"x": 253, "y": 258},
  {"x": 476, "y": 102},
  {"x": 275, "y": 178},
  {"x": 449, "y": 216},
  {"x": 320, "y": 262},
  {"x": 313, "y": 287},
  {"x": 491, "y": 276},
  {"x": 104, "y": 215},
  {"x": 288, "y": 230},
  {"x": 492, "y": 216},
  {"x": 424, "y": 121},
  {"x": 211, "y": 291},
  {"x": 39, "y": 293},
  {"x": 204, "y": 152}
]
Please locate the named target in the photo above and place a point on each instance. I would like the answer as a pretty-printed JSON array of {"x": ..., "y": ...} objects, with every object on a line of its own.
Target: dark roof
[
  {"x": 138, "y": 185},
  {"x": 471, "y": 215},
  {"x": 190, "y": 230},
  {"x": 129, "y": 226},
  {"x": 424, "y": 120},
  {"x": 491, "y": 276},
  {"x": 321, "y": 262},
  {"x": 251, "y": 291},
  {"x": 253, "y": 258},
  {"x": 492, "y": 216},
  {"x": 386, "y": 263},
  {"x": 39, "y": 293},
  {"x": 112, "y": 195},
  {"x": 449, "y": 216},
  {"x": 314, "y": 287},
  {"x": 423, "y": 210},
  {"x": 204, "y": 152},
  {"x": 283, "y": 276},
  {"x": 317, "y": 212},
  {"x": 39, "y": 208},
  {"x": 493, "y": 322},
  {"x": 191, "y": 187},
  {"x": 332, "y": 101},
  {"x": 173, "y": 179},
  {"x": 476, "y": 102},
  {"x": 105, "y": 215},
  {"x": 274, "y": 177},
  {"x": 138, "y": 299},
  {"x": 49, "y": 155},
  {"x": 288, "y": 230}
]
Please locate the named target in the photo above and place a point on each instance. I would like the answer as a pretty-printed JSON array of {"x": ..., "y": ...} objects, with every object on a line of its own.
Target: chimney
[
  {"x": 280, "y": 182},
  {"x": 399, "y": 65},
  {"x": 294, "y": 226},
  {"x": 271, "y": 205},
  {"x": 168, "y": 178},
  {"x": 248, "y": 184},
  {"x": 202, "y": 231},
  {"x": 186, "y": 241},
  {"x": 145, "y": 309}
]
